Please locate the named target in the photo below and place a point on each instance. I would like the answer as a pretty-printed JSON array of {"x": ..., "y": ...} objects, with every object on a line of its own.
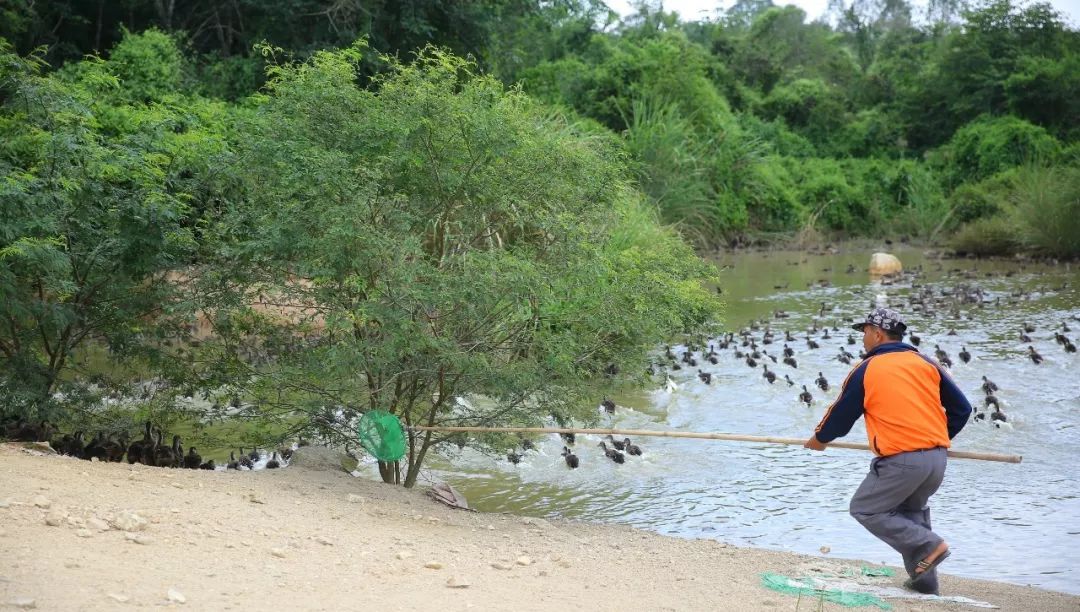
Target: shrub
[
  {"x": 986, "y": 237},
  {"x": 1047, "y": 209},
  {"x": 987, "y": 146}
]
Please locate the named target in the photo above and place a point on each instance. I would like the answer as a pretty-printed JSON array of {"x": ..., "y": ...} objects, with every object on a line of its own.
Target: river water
[{"x": 1014, "y": 522}]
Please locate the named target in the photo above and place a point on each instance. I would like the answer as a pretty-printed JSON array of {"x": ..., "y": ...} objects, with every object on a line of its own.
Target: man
[{"x": 912, "y": 409}]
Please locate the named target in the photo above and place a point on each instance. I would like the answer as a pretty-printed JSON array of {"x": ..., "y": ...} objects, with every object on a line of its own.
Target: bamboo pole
[{"x": 701, "y": 436}]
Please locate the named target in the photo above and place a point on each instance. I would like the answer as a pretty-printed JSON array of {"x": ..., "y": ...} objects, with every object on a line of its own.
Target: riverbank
[{"x": 92, "y": 536}]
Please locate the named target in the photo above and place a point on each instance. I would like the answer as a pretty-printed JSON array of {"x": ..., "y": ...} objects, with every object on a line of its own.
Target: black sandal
[{"x": 926, "y": 567}]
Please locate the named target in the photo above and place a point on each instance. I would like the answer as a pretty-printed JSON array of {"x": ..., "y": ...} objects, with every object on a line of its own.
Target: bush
[
  {"x": 991, "y": 236},
  {"x": 987, "y": 146},
  {"x": 1047, "y": 201}
]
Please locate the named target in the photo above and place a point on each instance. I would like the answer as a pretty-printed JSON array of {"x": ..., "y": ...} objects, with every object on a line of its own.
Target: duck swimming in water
[
  {"x": 1035, "y": 356},
  {"x": 570, "y": 458},
  {"x": 821, "y": 382},
  {"x": 613, "y": 454},
  {"x": 965, "y": 356},
  {"x": 805, "y": 396},
  {"x": 631, "y": 448},
  {"x": 988, "y": 386},
  {"x": 767, "y": 375}
]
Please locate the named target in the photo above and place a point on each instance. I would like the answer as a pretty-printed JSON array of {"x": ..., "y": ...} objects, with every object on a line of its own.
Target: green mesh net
[
  {"x": 806, "y": 588},
  {"x": 381, "y": 435}
]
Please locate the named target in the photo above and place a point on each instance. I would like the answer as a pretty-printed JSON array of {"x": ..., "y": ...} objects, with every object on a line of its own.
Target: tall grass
[{"x": 1046, "y": 207}]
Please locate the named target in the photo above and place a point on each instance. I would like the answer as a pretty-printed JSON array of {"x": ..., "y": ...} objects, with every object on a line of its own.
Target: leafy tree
[
  {"x": 98, "y": 195},
  {"x": 458, "y": 255}
]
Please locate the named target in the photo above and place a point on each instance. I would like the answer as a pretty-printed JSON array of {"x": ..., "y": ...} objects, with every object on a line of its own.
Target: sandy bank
[{"x": 314, "y": 538}]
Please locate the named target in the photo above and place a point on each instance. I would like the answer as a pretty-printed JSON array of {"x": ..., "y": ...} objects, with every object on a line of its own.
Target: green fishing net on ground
[
  {"x": 381, "y": 435},
  {"x": 805, "y": 588}
]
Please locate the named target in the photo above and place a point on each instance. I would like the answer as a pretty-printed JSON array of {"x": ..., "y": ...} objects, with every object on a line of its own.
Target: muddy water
[{"x": 1018, "y": 523}]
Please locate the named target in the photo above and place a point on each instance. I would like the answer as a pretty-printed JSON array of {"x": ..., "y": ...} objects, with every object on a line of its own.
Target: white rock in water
[
  {"x": 885, "y": 263},
  {"x": 176, "y": 596}
]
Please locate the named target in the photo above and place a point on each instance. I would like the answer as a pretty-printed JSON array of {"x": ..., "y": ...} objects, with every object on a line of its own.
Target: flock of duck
[
  {"x": 752, "y": 344},
  {"x": 151, "y": 450},
  {"x": 617, "y": 452}
]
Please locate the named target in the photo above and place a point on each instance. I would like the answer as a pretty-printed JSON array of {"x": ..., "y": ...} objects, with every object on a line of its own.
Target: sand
[{"x": 76, "y": 535}]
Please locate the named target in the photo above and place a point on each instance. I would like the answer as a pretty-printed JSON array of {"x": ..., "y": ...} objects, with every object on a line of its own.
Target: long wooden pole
[{"x": 702, "y": 436}]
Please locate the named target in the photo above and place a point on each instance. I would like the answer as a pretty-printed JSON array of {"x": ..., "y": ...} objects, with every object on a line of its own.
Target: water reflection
[{"x": 1005, "y": 522}]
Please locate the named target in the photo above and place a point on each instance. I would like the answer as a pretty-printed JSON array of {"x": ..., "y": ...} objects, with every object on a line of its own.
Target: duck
[
  {"x": 273, "y": 464},
  {"x": 791, "y": 383},
  {"x": 811, "y": 343},
  {"x": 608, "y": 405},
  {"x": 167, "y": 456},
  {"x": 998, "y": 415},
  {"x": 1024, "y": 337},
  {"x": 149, "y": 451},
  {"x": 788, "y": 352},
  {"x": 991, "y": 400},
  {"x": 192, "y": 460},
  {"x": 791, "y": 362},
  {"x": 705, "y": 377},
  {"x": 942, "y": 356},
  {"x": 613, "y": 454},
  {"x": 568, "y": 437},
  {"x": 631, "y": 448},
  {"x": 254, "y": 454},
  {"x": 209, "y": 465},
  {"x": 915, "y": 340},
  {"x": 135, "y": 449},
  {"x": 988, "y": 385},
  {"x": 114, "y": 448},
  {"x": 513, "y": 457},
  {"x": 96, "y": 448},
  {"x": 965, "y": 356},
  {"x": 670, "y": 386},
  {"x": 805, "y": 396},
  {"x": 245, "y": 461},
  {"x": 821, "y": 382},
  {"x": 618, "y": 444},
  {"x": 1035, "y": 356},
  {"x": 233, "y": 464},
  {"x": 750, "y": 362},
  {"x": 768, "y": 375},
  {"x": 570, "y": 458}
]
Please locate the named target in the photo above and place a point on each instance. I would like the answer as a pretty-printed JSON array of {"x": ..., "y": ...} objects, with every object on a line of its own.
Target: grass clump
[{"x": 987, "y": 237}]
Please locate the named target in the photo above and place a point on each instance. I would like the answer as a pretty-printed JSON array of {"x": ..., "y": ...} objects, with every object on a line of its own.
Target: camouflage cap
[{"x": 885, "y": 318}]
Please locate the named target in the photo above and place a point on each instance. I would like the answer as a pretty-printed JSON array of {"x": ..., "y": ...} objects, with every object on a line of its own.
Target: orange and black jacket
[{"x": 908, "y": 401}]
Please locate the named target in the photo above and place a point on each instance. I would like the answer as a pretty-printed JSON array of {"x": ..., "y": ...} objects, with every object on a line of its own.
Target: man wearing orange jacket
[{"x": 912, "y": 409}]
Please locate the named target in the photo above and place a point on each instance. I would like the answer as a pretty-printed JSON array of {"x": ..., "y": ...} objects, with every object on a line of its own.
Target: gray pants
[{"x": 891, "y": 504}]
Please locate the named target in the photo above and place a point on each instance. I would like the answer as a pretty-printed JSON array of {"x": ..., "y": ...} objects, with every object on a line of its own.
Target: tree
[
  {"x": 100, "y": 196},
  {"x": 457, "y": 254}
]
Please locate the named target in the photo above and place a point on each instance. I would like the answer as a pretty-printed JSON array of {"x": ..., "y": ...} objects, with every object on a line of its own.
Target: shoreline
[{"x": 311, "y": 537}]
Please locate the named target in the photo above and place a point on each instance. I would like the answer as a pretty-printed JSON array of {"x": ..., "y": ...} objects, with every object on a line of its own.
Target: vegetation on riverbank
[{"x": 342, "y": 230}]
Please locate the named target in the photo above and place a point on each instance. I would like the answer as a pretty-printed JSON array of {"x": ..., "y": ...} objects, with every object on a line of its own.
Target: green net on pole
[
  {"x": 381, "y": 434},
  {"x": 806, "y": 588}
]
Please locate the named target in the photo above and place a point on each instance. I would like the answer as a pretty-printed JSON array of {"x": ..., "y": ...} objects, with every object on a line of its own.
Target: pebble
[
  {"x": 524, "y": 560},
  {"x": 176, "y": 596},
  {"x": 129, "y": 521},
  {"x": 824, "y": 550},
  {"x": 138, "y": 538},
  {"x": 84, "y": 533},
  {"x": 4, "y": 503},
  {"x": 24, "y": 603},
  {"x": 403, "y": 554},
  {"x": 499, "y": 565},
  {"x": 325, "y": 541},
  {"x": 278, "y": 552},
  {"x": 98, "y": 524},
  {"x": 119, "y": 598},
  {"x": 72, "y": 564},
  {"x": 54, "y": 518},
  {"x": 42, "y": 502},
  {"x": 458, "y": 582},
  {"x": 433, "y": 565},
  {"x": 491, "y": 527},
  {"x": 355, "y": 499}
]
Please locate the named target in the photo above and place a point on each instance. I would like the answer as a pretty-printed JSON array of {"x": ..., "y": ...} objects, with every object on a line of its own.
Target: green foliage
[
  {"x": 148, "y": 65},
  {"x": 96, "y": 212},
  {"x": 988, "y": 146},
  {"x": 1047, "y": 209},
  {"x": 810, "y": 107},
  {"x": 455, "y": 240},
  {"x": 986, "y": 237}
]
